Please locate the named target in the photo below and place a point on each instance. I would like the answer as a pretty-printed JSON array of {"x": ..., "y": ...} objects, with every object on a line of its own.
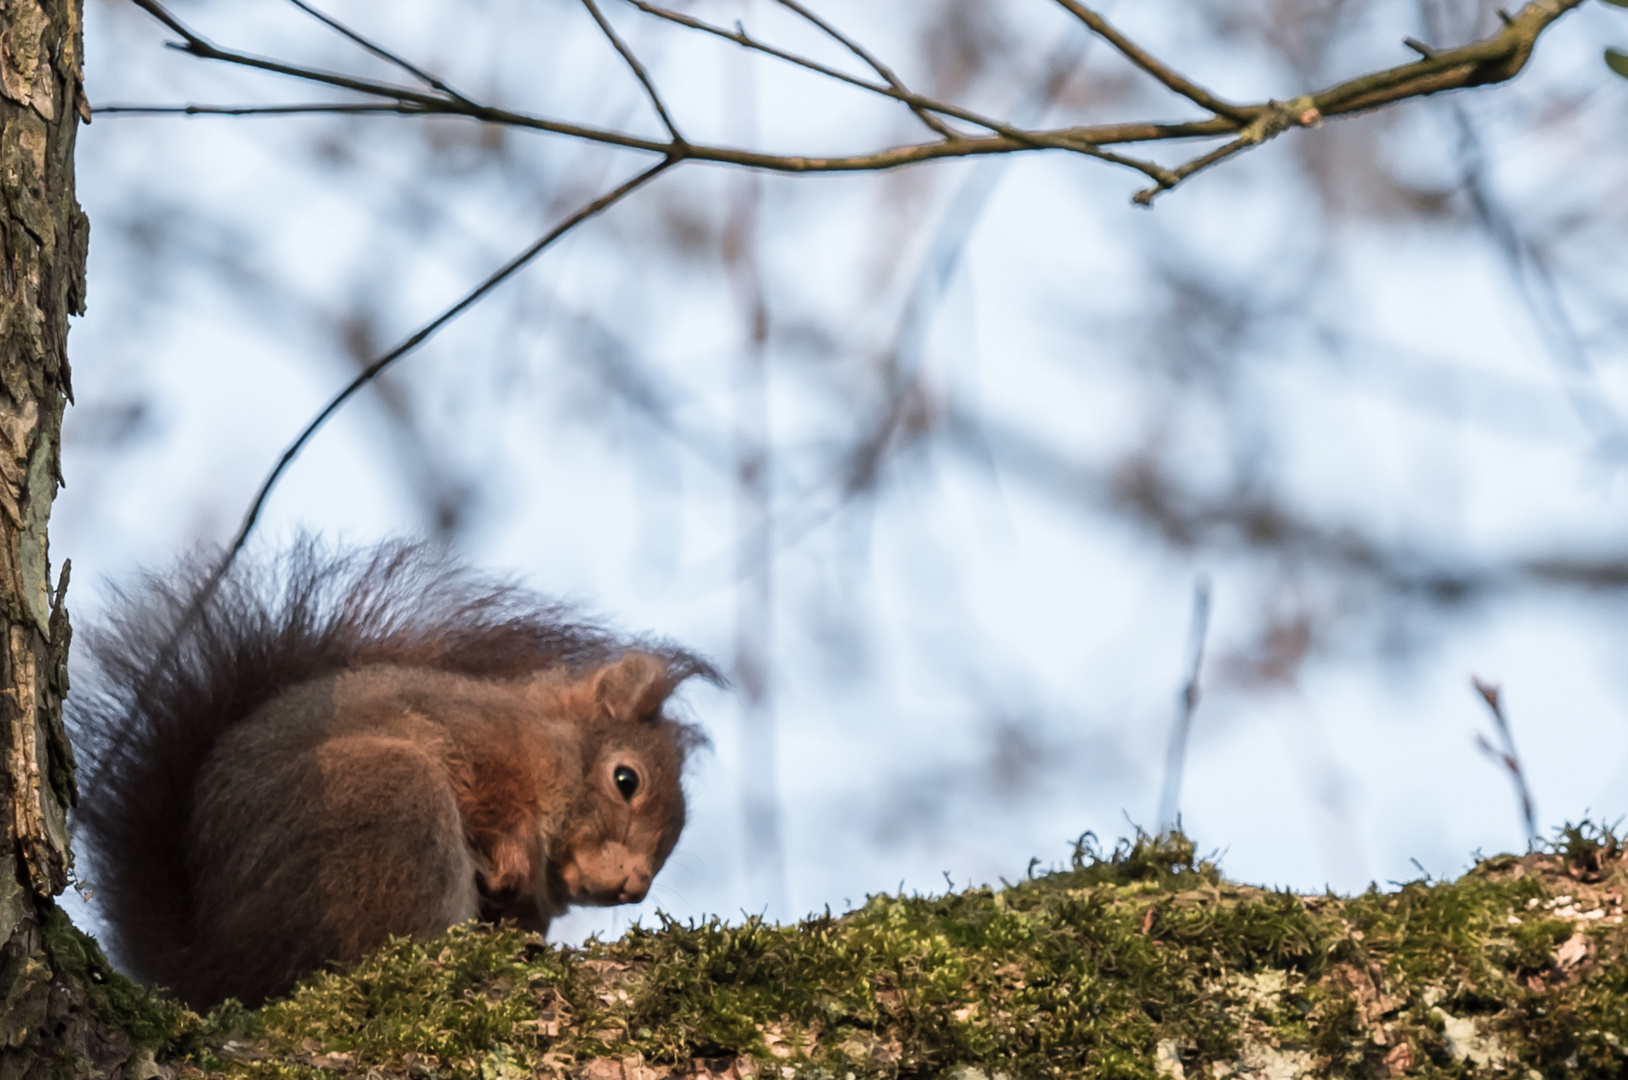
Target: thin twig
[
  {"x": 402, "y": 108},
  {"x": 746, "y": 41},
  {"x": 887, "y": 73},
  {"x": 196, "y": 45},
  {"x": 970, "y": 146},
  {"x": 419, "y": 336},
  {"x": 956, "y": 145},
  {"x": 380, "y": 51},
  {"x": 1186, "y": 705},
  {"x": 740, "y": 37},
  {"x": 1506, "y": 756},
  {"x": 1012, "y": 141},
  {"x": 1240, "y": 114},
  {"x": 637, "y": 68},
  {"x": 1146, "y": 196}
]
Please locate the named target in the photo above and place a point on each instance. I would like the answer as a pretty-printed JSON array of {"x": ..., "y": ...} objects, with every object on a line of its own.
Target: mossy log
[{"x": 1142, "y": 962}]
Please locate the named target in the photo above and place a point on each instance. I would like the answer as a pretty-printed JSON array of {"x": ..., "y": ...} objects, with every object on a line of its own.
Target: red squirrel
[{"x": 332, "y": 749}]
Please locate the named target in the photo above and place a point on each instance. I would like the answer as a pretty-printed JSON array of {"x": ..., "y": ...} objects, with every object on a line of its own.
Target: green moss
[
  {"x": 152, "y": 1021},
  {"x": 1129, "y": 963}
]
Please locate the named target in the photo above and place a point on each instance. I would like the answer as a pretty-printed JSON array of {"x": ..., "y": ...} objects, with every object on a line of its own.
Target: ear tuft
[{"x": 633, "y": 688}]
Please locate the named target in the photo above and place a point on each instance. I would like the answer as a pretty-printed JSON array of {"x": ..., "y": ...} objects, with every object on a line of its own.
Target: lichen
[{"x": 1138, "y": 963}]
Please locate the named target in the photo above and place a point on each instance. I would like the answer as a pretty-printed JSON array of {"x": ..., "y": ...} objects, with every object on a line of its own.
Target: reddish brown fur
[{"x": 344, "y": 748}]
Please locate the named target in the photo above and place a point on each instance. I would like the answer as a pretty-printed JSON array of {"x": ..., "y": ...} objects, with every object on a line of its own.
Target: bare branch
[
  {"x": 1492, "y": 59},
  {"x": 380, "y": 51},
  {"x": 1013, "y": 139},
  {"x": 880, "y": 68},
  {"x": 637, "y": 68},
  {"x": 955, "y": 144},
  {"x": 1240, "y": 114},
  {"x": 423, "y": 334}
]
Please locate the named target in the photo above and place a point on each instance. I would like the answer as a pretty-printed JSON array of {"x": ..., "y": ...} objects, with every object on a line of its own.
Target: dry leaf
[{"x": 1399, "y": 1060}]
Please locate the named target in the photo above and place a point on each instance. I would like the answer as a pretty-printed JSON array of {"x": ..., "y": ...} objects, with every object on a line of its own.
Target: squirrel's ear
[{"x": 633, "y": 688}]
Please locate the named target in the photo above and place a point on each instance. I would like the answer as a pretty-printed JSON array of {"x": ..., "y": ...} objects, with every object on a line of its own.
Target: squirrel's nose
[{"x": 633, "y": 889}]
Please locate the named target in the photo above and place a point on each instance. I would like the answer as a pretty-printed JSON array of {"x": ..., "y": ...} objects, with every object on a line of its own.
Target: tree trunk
[{"x": 43, "y": 235}]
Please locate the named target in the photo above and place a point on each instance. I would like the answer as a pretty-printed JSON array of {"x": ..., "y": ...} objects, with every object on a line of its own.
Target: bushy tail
[{"x": 165, "y": 676}]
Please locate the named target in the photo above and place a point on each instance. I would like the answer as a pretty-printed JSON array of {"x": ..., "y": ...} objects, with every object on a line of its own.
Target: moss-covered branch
[{"x": 1138, "y": 963}]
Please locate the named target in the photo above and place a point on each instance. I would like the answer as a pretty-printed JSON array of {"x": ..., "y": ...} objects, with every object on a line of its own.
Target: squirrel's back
[{"x": 173, "y": 678}]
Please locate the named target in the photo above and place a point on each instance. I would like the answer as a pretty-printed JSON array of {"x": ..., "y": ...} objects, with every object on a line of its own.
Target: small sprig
[{"x": 1505, "y": 754}]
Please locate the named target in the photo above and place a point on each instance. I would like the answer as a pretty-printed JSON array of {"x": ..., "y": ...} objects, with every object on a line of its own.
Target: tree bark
[{"x": 43, "y": 236}]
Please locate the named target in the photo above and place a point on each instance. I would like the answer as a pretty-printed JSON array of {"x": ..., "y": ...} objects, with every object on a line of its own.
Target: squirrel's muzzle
[{"x": 607, "y": 874}]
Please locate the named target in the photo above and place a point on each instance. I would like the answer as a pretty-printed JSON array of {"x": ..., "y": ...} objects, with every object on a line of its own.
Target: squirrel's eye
[{"x": 627, "y": 781}]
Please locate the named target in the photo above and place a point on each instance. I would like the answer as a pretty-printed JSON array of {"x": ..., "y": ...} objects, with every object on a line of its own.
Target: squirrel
[{"x": 328, "y": 749}]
